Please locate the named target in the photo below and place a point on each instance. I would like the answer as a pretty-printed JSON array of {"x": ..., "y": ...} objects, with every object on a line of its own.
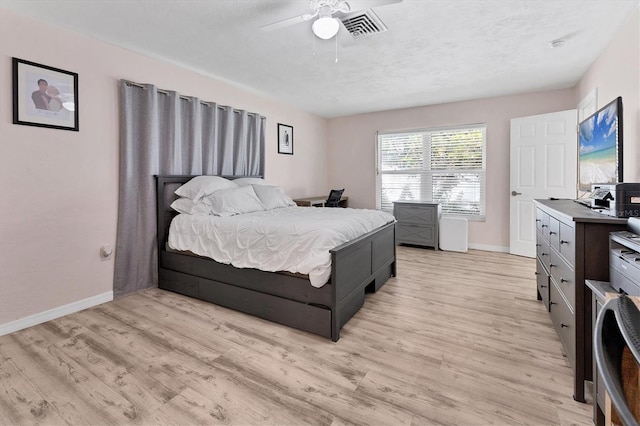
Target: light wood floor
[{"x": 455, "y": 339}]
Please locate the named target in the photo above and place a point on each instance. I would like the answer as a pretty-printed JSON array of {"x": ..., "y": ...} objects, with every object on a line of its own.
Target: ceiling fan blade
[
  {"x": 288, "y": 22},
  {"x": 368, "y": 4},
  {"x": 343, "y": 7}
]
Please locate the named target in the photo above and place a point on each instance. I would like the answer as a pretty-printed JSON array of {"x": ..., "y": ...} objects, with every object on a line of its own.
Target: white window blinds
[{"x": 446, "y": 165}]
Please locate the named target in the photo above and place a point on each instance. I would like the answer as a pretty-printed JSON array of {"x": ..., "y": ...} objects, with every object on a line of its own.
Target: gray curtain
[{"x": 164, "y": 133}]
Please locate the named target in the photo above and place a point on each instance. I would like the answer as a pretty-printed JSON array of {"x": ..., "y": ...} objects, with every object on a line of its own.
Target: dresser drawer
[
  {"x": 415, "y": 234},
  {"x": 564, "y": 277},
  {"x": 563, "y": 320},
  {"x": 542, "y": 280},
  {"x": 567, "y": 243},
  {"x": 416, "y": 215},
  {"x": 542, "y": 250},
  {"x": 554, "y": 233},
  {"x": 542, "y": 222}
]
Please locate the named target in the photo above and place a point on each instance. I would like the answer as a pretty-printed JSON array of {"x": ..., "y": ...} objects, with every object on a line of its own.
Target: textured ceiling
[{"x": 435, "y": 51}]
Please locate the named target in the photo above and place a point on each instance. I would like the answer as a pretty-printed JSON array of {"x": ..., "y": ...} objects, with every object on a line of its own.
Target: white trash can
[{"x": 454, "y": 234}]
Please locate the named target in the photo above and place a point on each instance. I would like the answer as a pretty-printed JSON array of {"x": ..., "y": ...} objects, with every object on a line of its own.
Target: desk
[{"x": 319, "y": 201}]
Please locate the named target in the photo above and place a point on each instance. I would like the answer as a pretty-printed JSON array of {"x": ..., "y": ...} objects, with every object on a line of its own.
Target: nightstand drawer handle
[
  {"x": 563, "y": 325},
  {"x": 564, "y": 242},
  {"x": 543, "y": 286},
  {"x": 551, "y": 265},
  {"x": 562, "y": 280},
  {"x": 552, "y": 233}
]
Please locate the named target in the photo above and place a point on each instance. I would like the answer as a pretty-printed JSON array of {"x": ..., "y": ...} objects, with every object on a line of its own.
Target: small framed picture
[
  {"x": 44, "y": 96},
  {"x": 285, "y": 139}
]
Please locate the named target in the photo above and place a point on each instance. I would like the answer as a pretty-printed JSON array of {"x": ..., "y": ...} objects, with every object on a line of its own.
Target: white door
[{"x": 544, "y": 155}]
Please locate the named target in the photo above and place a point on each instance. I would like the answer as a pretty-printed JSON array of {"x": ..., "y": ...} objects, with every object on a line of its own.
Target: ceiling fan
[{"x": 325, "y": 25}]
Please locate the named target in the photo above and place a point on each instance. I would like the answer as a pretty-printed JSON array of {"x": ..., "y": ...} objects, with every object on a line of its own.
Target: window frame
[{"x": 426, "y": 187}]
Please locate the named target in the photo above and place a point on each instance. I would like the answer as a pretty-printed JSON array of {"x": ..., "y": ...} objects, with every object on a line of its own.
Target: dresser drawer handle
[
  {"x": 538, "y": 245},
  {"x": 538, "y": 220},
  {"x": 562, "y": 280},
  {"x": 544, "y": 226},
  {"x": 564, "y": 242},
  {"x": 543, "y": 286},
  {"x": 563, "y": 325},
  {"x": 551, "y": 265},
  {"x": 543, "y": 254},
  {"x": 537, "y": 273},
  {"x": 552, "y": 233},
  {"x": 552, "y": 303}
]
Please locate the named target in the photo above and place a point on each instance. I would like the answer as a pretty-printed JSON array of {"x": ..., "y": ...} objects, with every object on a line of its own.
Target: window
[{"x": 446, "y": 165}]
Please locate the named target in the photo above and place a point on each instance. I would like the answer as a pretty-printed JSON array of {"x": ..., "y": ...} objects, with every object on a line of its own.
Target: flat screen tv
[{"x": 600, "y": 147}]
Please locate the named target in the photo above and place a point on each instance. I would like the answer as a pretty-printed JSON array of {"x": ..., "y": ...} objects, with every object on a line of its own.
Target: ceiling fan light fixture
[{"x": 325, "y": 27}]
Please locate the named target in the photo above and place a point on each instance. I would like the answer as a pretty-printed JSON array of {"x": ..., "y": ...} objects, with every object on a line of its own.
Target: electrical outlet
[{"x": 106, "y": 252}]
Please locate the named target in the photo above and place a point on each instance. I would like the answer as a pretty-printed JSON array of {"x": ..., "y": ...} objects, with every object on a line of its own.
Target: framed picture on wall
[
  {"x": 285, "y": 139},
  {"x": 44, "y": 96}
]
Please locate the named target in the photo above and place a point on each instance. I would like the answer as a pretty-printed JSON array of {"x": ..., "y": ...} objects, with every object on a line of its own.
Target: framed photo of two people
[
  {"x": 44, "y": 96},
  {"x": 285, "y": 139}
]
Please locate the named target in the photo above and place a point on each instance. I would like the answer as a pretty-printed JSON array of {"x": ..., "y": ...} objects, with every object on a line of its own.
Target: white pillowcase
[
  {"x": 187, "y": 206},
  {"x": 202, "y": 186},
  {"x": 272, "y": 197},
  {"x": 230, "y": 202},
  {"x": 249, "y": 181}
]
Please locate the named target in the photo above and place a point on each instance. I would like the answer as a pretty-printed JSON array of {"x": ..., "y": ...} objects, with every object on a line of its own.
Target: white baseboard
[
  {"x": 486, "y": 247},
  {"x": 54, "y": 313}
]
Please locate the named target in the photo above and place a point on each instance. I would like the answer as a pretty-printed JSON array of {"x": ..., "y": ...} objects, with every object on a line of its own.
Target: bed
[{"x": 358, "y": 266}]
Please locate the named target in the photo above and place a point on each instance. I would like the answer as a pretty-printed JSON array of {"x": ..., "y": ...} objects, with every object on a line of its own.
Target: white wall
[
  {"x": 59, "y": 197},
  {"x": 352, "y": 149},
  {"x": 615, "y": 73}
]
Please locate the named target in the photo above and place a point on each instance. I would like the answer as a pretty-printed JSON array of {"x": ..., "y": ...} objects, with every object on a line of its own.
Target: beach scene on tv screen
[{"x": 598, "y": 150}]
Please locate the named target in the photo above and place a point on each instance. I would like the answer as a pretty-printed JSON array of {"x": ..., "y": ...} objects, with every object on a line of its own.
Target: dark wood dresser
[{"x": 572, "y": 245}]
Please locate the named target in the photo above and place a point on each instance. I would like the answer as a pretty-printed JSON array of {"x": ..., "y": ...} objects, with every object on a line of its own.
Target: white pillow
[
  {"x": 272, "y": 197},
  {"x": 201, "y": 186},
  {"x": 229, "y": 202},
  {"x": 249, "y": 181},
  {"x": 187, "y": 206}
]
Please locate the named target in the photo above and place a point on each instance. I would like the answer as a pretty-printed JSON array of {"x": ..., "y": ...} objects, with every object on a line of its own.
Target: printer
[
  {"x": 624, "y": 258},
  {"x": 616, "y": 199}
]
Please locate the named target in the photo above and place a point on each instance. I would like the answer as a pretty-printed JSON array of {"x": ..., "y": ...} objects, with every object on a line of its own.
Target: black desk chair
[
  {"x": 617, "y": 327},
  {"x": 334, "y": 198}
]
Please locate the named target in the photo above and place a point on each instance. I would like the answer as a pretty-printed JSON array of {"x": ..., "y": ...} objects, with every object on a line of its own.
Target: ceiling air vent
[{"x": 363, "y": 24}]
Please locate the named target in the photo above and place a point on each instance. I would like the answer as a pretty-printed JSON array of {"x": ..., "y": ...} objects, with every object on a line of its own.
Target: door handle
[{"x": 514, "y": 193}]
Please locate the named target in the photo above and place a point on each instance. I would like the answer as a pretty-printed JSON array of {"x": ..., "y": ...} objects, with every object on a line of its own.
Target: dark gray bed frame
[{"x": 363, "y": 264}]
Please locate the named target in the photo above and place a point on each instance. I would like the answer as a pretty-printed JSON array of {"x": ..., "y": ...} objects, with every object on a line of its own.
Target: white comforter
[{"x": 294, "y": 239}]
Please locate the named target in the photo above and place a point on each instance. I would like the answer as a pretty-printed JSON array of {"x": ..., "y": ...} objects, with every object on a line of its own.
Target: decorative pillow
[
  {"x": 249, "y": 181},
  {"x": 272, "y": 197},
  {"x": 229, "y": 202},
  {"x": 187, "y": 206},
  {"x": 202, "y": 186}
]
